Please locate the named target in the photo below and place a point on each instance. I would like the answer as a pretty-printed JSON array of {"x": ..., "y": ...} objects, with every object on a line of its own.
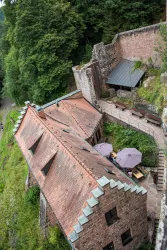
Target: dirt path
[{"x": 4, "y": 110}]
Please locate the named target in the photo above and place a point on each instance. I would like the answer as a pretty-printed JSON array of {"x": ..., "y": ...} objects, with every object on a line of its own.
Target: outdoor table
[
  {"x": 137, "y": 174},
  {"x": 142, "y": 170}
]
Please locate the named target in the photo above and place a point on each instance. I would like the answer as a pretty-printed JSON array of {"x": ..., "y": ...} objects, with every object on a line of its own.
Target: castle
[{"x": 96, "y": 210}]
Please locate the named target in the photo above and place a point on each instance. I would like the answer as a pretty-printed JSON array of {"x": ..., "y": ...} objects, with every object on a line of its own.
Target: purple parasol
[
  {"x": 129, "y": 157},
  {"x": 104, "y": 148}
]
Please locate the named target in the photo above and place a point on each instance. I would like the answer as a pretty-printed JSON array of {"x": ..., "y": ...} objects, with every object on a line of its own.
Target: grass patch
[
  {"x": 19, "y": 219},
  {"x": 122, "y": 137},
  {"x": 0, "y": 117},
  {"x": 137, "y": 65},
  {"x": 154, "y": 93}
]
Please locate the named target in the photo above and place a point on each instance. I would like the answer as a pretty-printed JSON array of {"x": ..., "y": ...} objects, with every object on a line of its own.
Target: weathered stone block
[
  {"x": 124, "y": 94},
  {"x": 164, "y": 78},
  {"x": 112, "y": 92}
]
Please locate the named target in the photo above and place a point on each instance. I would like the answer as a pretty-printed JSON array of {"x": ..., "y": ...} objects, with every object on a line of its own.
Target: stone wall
[
  {"x": 88, "y": 79},
  {"x": 132, "y": 214},
  {"x": 109, "y": 118},
  {"x": 30, "y": 181},
  {"x": 47, "y": 217},
  {"x": 139, "y": 44},
  {"x": 42, "y": 217},
  {"x": 108, "y": 56}
]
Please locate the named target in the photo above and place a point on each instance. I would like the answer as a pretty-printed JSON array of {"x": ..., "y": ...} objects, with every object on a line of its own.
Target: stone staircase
[{"x": 161, "y": 165}]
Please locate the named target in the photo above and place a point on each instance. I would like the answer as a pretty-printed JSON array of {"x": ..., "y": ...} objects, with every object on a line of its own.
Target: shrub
[
  {"x": 32, "y": 195},
  {"x": 105, "y": 94},
  {"x": 146, "y": 247},
  {"x": 55, "y": 240},
  {"x": 2, "y": 186},
  {"x": 137, "y": 65},
  {"x": 122, "y": 137}
]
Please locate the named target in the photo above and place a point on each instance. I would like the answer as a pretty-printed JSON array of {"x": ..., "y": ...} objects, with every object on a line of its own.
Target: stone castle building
[
  {"x": 94, "y": 203},
  {"x": 96, "y": 206}
]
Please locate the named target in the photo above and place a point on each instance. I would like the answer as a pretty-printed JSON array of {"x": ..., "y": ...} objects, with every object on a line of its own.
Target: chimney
[
  {"x": 41, "y": 114},
  {"x": 27, "y": 103}
]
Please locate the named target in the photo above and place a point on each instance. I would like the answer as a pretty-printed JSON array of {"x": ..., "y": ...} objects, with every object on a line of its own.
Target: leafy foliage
[
  {"x": 19, "y": 220},
  {"x": 105, "y": 94},
  {"x": 146, "y": 247},
  {"x": 155, "y": 91},
  {"x": 55, "y": 240},
  {"x": 122, "y": 137},
  {"x": 38, "y": 63},
  {"x": 162, "y": 48},
  {"x": 32, "y": 195},
  {"x": 41, "y": 40},
  {"x": 137, "y": 65},
  {"x": 121, "y": 15}
]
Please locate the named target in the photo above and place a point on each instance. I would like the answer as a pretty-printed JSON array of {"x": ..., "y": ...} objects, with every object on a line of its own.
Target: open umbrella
[
  {"x": 104, "y": 148},
  {"x": 129, "y": 157}
]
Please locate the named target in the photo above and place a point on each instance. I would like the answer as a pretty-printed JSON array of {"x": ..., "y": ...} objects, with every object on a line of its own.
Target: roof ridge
[
  {"x": 59, "y": 99},
  {"x": 82, "y": 164},
  {"x": 75, "y": 118}
]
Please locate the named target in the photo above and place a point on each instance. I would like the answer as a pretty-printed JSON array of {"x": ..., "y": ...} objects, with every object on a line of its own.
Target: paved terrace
[
  {"x": 154, "y": 194},
  {"x": 141, "y": 124}
]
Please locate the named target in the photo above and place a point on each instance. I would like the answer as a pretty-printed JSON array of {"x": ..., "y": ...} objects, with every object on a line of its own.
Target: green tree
[
  {"x": 122, "y": 15},
  {"x": 38, "y": 64}
]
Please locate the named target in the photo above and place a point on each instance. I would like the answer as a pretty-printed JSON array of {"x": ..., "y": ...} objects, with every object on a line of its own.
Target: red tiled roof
[
  {"x": 74, "y": 171},
  {"x": 77, "y": 114}
]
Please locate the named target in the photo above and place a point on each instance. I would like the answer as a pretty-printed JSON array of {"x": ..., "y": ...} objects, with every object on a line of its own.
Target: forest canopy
[{"x": 41, "y": 40}]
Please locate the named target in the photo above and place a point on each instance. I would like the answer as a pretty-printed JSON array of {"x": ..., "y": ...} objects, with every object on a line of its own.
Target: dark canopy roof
[{"x": 125, "y": 75}]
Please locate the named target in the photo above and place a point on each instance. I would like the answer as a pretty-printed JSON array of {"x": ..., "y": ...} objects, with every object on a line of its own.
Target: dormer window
[
  {"x": 35, "y": 145},
  {"x": 47, "y": 167}
]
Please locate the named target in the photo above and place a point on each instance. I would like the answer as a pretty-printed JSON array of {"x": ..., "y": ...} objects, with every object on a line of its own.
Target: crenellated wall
[{"x": 130, "y": 202}]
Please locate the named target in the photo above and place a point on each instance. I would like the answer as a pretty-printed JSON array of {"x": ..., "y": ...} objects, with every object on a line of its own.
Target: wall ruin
[{"x": 139, "y": 44}]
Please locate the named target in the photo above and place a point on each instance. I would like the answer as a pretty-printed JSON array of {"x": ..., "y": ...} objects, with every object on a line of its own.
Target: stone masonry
[
  {"x": 88, "y": 79},
  {"x": 139, "y": 44},
  {"x": 95, "y": 233}
]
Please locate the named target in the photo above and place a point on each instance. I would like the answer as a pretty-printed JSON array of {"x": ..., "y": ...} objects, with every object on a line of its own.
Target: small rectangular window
[
  {"x": 109, "y": 247},
  {"x": 126, "y": 237},
  {"x": 111, "y": 216}
]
